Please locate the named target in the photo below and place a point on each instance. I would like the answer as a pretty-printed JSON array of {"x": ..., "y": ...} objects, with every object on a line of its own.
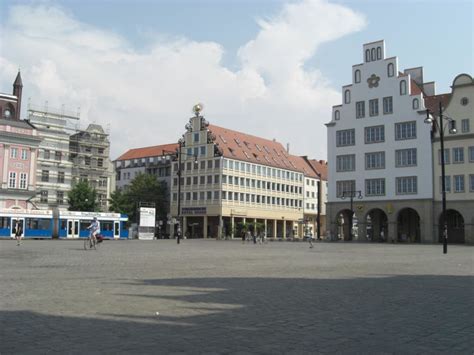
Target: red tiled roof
[
  {"x": 152, "y": 151},
  {"x": 321, "y": 167},
  {"x": 245, "y": 147},
  {"x": 415, "y": 89},
  {"x": 432, "y": 102}
]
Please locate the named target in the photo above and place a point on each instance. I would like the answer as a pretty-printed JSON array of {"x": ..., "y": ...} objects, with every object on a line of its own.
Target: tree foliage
[
  {"x": 83, "y": 197},
  {"x": 144, "y": 189}
]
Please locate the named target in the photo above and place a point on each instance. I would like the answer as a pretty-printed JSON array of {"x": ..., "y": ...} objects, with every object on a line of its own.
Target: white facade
[{"x": 378, "y": 143}]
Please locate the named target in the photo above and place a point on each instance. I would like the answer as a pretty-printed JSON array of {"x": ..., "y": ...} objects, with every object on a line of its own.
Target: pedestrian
[
  {"x": 248, "y": 236},
  {"x": 18, "y": 232},
  {"x": 254, "y": 236},
  {"x": 243, "y": 237},
  {"x": 310, "y": 241}
]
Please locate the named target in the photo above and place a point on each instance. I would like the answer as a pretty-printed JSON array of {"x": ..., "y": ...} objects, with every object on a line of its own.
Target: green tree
[
  {"x": 83, "y": 197},
  {"x": 144, "y": 188}
]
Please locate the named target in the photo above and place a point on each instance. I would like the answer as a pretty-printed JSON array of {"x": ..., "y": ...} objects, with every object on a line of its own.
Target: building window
[
  {"x": 195, "y": 180},
  {"x": 471, "y": 154},
  {"x": 458, "y": 155},
  {"x": 387, "y": 105},
  {"x": 375, "y": 187},
  {"x": 45, "y": 175},
  {"x": 100, "y": 162},
  {"x": 372, "y": 54},
  {"x": 57, "y": 156},
  {"x": 403, "y": 87},
  {"x": 464, "y": 101},
  {"x": 374, "y": 134},
  {"x": 345, "y": 163},
  {"x": 465, "y": 125},
  {"x": 24, "y": 154},
  {"x": 347, "y": 97},
  {"x": 202, "y": 150},
  {"x": 188, "y": 181},
  {"x": 357, "y": 76},
  {"x": 447, "y": 183},
  {"x": 87, "y": 160},
  {"x": 345, "y": 137},
  {"x": 405, "y": 157},
  {"x": 405, "y": 130},
  {"x": 471, "y": 183},
  {"x": 61, "y": 177},
  {"x": 23, "y": 181},
  {"x": 12, "y": 180},
  {"x": 374, "y": 107},
  {"x": 367, "y": 55},
  {"x": 216, "y": 195},
  {"x": 59, "y": 197},
  {"x": 375, "y": 160},
  {"x": 337, "y": 115},
  {"x": 379, "y": 53},
  {"x": 458, "y": 183},
  {"x": 406, "y": 185},
  {"x": 46, "y": 154},
  {"x": 196, "y": 137},
  {"x": 390, "y": 70},
  {"x": 360, "y": 109},
  {"x": 344, "y": 187},
  {"x": 415, "y": 104},
  {"x": 13, "y": 153},
  {"x": 44, "y": 196}
]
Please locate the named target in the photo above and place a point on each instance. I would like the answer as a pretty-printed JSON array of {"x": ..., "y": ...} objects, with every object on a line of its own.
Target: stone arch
[
  {"x": 408, "y": 225},
  {"x": 456, "y": 232},
  {"x": 343, "y": 228},
  {"x": 377, "y": 225}
]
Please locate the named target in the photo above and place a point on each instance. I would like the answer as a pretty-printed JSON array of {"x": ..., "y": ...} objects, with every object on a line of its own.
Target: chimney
[{"x": 288, "y": 148}]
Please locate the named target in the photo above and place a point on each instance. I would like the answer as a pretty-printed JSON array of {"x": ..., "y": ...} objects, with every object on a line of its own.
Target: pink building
[{"x": 19, "y": 142}]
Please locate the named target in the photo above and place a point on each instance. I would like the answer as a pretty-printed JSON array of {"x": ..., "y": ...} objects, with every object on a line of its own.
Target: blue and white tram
[
  {"x": 34, "y": 223},
  {"x": 74, "y": 224}
]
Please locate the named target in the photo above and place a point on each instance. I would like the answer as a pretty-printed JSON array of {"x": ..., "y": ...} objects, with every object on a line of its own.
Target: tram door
[
  {"x": 21, "y": 224},
  {"x": 116, "y": 230},
  {"x": 72, "y": 228}
]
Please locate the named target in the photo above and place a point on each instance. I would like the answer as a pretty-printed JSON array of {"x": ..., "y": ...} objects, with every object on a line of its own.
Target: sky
[{"x": 268, "y": 68}]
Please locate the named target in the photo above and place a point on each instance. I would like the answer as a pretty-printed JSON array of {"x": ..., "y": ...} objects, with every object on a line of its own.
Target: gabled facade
[
  {"x": 239, "y": 179},
  {"x": 379, "y": 148},
  {"x": 459, "y": 162}
]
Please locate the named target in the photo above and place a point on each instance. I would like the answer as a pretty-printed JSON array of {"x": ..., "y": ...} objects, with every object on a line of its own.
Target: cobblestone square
[{"x": 222, "y": 297}]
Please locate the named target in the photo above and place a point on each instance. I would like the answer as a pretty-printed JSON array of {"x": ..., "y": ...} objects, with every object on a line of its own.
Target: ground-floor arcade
[
  {"x": 382, "y": 221},
  {"x": 460, "y": 221}
]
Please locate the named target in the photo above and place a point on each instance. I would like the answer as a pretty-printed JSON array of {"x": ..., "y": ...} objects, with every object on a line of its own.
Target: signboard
[
  {"x": 147, "y": 216},
  {"x": 194, "y": 210},
  {"x": 146, "y": 230}
]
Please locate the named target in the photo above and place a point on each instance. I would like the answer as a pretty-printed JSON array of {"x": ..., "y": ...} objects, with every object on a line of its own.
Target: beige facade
[
  {"x": 231, "y": 181},
  {"x": 459, "y": 164}
]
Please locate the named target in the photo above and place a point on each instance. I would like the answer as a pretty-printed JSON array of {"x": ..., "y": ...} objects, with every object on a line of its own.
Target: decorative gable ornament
[{"x": 373, "y": 81}]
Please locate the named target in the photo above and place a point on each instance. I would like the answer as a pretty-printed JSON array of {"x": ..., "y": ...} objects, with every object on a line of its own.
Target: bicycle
[{"x": 90, "y": 243}]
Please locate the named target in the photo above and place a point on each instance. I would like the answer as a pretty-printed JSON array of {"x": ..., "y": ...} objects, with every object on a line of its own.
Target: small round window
[{"x": 464, "y": 101}]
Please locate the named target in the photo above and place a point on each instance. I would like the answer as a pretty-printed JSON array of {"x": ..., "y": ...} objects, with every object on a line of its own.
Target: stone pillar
[
  {"x": 32, "y": 176},
  {"x": 274, "y": 228},
  {"x": 391, "y": 234},
  {"x": 232, "y": 227},
  {"x": 255, "y": 226},
  {"x": 204, "y": 227},
  {"x": 220, "y": 228},
  {"x": 184, "y": 227},
  {"x": 265, "y": 222}
]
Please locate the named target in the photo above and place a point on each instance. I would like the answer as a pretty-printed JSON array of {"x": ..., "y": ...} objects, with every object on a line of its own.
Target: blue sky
[{"x": 437, "y": 35}]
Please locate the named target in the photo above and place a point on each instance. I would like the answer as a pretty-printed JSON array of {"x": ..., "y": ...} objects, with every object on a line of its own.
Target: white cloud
[{"x": 146, "y": 96}]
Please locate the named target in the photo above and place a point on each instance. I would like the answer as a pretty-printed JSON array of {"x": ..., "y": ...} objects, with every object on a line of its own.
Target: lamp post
[
  {"x": 351, "y": 194},
  {"x": 318, "y": 217},
  {"x": 452, "y": 129},
  {"x": 179, "y": 153}
]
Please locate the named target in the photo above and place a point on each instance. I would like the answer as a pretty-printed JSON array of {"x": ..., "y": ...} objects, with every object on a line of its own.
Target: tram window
[
  {"x": 31, "y": 223},
  {"x": 117, "y": 229},
  {"x": 63, "y": 225},
  {"x": 4, "y": 222},
  {"x": 85, "y": 224},
  {"x": 106, "y": 226},
  {"x": 36, "y": 223},
  {"x": 44, "y": 224}
]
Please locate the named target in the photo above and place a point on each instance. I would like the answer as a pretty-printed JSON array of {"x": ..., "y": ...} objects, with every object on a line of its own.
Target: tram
[{"x": 47, "y": 224}]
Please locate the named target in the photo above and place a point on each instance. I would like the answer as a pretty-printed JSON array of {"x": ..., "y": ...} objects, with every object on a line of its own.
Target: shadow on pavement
[{"x": 399, "y": 314}]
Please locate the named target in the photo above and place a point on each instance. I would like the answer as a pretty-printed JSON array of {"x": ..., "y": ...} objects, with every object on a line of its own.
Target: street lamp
[
  {"x": 318, "y": 217},
  {"x": 452, "y": 129},
  {"x": 179, "y": 153},
  {"x": 351, "y": 194}
]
